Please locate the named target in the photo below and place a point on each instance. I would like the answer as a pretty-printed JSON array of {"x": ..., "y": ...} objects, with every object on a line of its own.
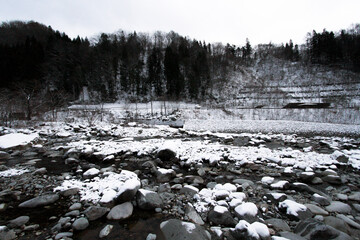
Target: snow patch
[
  {"x": 13, "y": 172},
  {"x": 103, "y": 189},
  {"x": 16, "y": 139},
  {"x": 292, "y": 208}
]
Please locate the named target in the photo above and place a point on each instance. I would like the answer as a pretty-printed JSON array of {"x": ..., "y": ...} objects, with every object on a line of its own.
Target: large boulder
[
  {"x": 148, "y": 199},
  {"x": 40, "y": 201},
  {"x": 315, "y": 230},
  {"x": 175, "y": 229},
  {"x": 294, "y": 210},
  {"x": 128, "y": 190}
]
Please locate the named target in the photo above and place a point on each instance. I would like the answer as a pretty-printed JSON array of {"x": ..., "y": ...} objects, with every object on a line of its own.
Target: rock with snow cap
[
  {"x": 189, "y": 190},
  {"x": 247, "y": 211},
  {"x": 106, "y": 231},
  {"x": 148, "y": 199},
  {"x": 175, "y": 229},
  {"x": 192, "y": 214},
  {"x": 128, "y": 190},
  {"x": 92, "y": 172},
  {"x": 295, "y": 210},
  {"x": 220, "y": 215},
  {"x": 165, "y": 175},
  {"x": 244, "y": 230},
  {"x": 323, "y": 201}
]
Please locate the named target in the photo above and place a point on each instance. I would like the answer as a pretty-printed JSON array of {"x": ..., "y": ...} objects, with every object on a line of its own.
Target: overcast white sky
[{"x": 224, "y": 21}]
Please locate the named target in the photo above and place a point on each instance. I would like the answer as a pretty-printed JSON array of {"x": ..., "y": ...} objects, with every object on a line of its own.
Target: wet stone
[
  {"x": 40, "y": 201},
  {"x": 106, "y": 231},
  {"x": 95, "y": 212},
  {"x": 80, "y": 224}
]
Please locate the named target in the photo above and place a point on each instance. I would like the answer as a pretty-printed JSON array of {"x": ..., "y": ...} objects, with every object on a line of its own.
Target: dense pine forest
[{"x": 39, "y": 62}]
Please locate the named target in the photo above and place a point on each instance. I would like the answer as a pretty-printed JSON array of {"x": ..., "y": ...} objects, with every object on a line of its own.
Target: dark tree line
[
  {"x": 132, "y": 65},
  {"x": 143, "y": 67},
  {"x": 339, "y": 49}
]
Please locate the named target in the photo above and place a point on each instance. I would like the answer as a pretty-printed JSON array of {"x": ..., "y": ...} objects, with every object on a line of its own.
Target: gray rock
[
  {"x": 175, "y": 229},
  {"x": 18, "y": 222},
  {"x": 75, "y": 206},
  {"x": 291, "y": 236},
  {"x": 278, "y": 224},
  {"x": 294, "y": 210},
  {"x": 71, "y": 161},
  {"x": 31, "y": 227},
  {"x": 6, "y": 234},
  {"x": 336, "y": 180},
  {"x": 40, "y": 171},
  {"x": 323, "y": 201},
  {"x": 349, "y": 221},
  {"x": 166, "y": 155},
  {"x": 244, "y": 231},
  {"x": 307, "y": 176},
  {"x": 355, "y": 196},
  {"x": 69, "y": 192},
  {"x": 121, "y": 211},
  {"x": 342, "y": 197},
  {"x": 63, "y": 235},
  {"x": 129, "y": 192},
  {"x": 95, "y": 212},
  {"x": 314, "y": 230},
  {"x": 337, "y": 223},
  {"x": 316, "y": 210},
  {"x": 4, "y": 155},
  {"x": 317, "y": 180},
  {"x": 73, "y": 213},
  {"x": 339, "y": 207},
  {"x": 106, "y": 231},
  {"x": 40, "y": 201},
  {"x": 192, "y": 215},
  {"x": 189, "y": 190},
  {"x": 80, "y": 224},
  {"x": 165, "y": 175},
  {"x": 151, "y": 236},
  {"x": 148, "y": 199},
  {"x": 221, "y": 216}
]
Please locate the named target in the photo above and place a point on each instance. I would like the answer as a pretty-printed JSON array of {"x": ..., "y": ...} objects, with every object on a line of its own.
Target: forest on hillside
[{"x": 38, "y": 63}]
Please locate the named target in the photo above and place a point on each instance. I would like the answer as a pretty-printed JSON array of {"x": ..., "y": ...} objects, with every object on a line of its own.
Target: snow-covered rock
[{"x": 16, "y": 139}]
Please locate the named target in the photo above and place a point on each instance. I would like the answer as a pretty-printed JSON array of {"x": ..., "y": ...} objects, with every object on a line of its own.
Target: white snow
[
  {"x": 277, "y": 196},
  {"x": 16, "y": 139},
  {"x": 247, "y": 208},
  {"x": 188, "y": 226},
  {"x": 279, "y": 184},
  {"x": 103, "y": 189},
  {"x": 12, "y": 172},
  {"x": 261, "y": 229},
  {"x": 292, "y": 208},
  {"x": 220, "y": 209},
  {"x": 267, "y": 180},
  {"x": 92, "y": 172},
  {"x": 227, "y": 186},
  {"x": 238, "y": 195},
  {"x": 242, "y": 225}
]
